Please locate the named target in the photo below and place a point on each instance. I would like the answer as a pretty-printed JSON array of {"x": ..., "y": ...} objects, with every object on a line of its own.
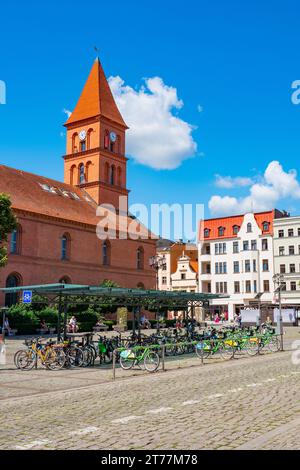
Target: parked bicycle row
[{"x": 138, "y": 348}]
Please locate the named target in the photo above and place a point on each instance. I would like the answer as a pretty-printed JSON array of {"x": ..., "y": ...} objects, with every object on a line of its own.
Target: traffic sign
[{"x": 27, "y": 297}]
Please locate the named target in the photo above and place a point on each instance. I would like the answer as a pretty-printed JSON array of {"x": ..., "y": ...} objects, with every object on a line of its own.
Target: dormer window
[
  {"x": 206, "y": 232},
  {"x": 235, "y": 229},
  {"x": 221, "y": 231},
  {"x": 266, "y": 226}
]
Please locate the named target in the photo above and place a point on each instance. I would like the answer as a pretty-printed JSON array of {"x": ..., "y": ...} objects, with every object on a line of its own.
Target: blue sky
[{"x": 235, "y": 59}]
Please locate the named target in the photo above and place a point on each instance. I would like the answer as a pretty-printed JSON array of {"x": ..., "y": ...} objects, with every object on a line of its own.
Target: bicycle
[
  {"x": 51, "y": 355},
  {"x": 209, "y": 347},
  {"x": 131, "y": 357}
]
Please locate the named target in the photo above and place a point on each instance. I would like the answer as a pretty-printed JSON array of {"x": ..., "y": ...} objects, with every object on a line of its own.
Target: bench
[
  {"x": 48, "y": 331},
  {"x": 98, "y": 328},
  {"x": 119, "y": 328}
]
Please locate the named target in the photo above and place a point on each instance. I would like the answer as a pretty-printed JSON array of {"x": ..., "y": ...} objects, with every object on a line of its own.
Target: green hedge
[
  {"x": 27, "y": 320},
  {"x": 22, "y": 319}
]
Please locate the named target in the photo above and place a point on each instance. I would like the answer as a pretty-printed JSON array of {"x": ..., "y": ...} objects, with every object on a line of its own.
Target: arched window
[
  {"x": 119, "y": 174},
  {"x": 74, "y": 142},
  {"x": 13, "y": 280},
  {"x": 221, "y": 231},
  {"x": 15, "y": 241},
  {"x": 266, "y": 226},
  {"x": 106, "y": 252},
  {"x": 106, "y": 172},
  {"x": 65, "y": 246},
  {"x": 140, "y": 258},
  {"x": 65, "y": 280},
  {"x": 118, "y": 144},
  {"x": 81, "y": 176},
  {"x": 141, "y": 286},
  {"x": 89, "y": 132},
  {"x": 72, "y": 174},
  {"x": 112, "y": 174},
  {"x": 82, "y": 145},
  {"x": 87, "y": 171},
  {"x": 249, "y": 227},
  {"x": 106, "y": 139}
]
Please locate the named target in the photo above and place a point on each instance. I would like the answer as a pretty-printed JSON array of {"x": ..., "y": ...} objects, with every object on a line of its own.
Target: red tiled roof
[
  {"x": 194, "y": 266},
  {"x": 96, "y": 99},
  {"x": 26, "y": 194},
  {"x": 229, "y": 222}
]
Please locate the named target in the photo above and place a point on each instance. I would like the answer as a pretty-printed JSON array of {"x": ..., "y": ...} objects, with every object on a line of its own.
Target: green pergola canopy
[{"x": 115, "y": 295}]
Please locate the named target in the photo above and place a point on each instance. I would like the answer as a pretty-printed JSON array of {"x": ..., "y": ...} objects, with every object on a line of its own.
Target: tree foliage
[{"x": 8, "y": 223}]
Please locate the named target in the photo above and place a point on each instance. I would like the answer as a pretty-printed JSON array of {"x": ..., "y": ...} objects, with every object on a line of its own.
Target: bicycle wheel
[
  {"x": 93, "y": 352},
  {"x": 226, "y": 351},
  {"x": 87, "y": 356},
  {"x": 127, "y": 359},
  {"x": 24, "y": 360},
  {"x": 203, "y": 350},
  {"x": 56, "y": 359},
  {"x": 252, "y": 347},
  {"x": 74, "y": 356},
  {"x": 151, "y": 361},
  {"x": 273, "y": 345}
]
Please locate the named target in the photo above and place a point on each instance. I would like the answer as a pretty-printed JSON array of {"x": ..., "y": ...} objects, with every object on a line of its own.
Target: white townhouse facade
[
  {"x": 185, "y": 278},
  {"x": 180, "y": 270},
  {"x": 287, "y": 258},
  {"x": 235, "y": 257}
]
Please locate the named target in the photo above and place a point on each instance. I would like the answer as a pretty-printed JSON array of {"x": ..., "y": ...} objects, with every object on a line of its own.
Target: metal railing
[{"x": 194, "y": 343}]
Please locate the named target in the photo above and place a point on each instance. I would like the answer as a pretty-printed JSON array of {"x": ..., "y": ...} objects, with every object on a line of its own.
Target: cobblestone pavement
[{"x": 244, "y": 403}]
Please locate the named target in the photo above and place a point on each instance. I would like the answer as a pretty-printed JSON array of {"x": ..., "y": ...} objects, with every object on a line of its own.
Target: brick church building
[{"x": 56, "y": 237}]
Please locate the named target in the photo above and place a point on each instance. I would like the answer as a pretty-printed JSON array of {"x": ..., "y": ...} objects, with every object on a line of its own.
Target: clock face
[
  {"x": 82, "y": 135},
  {"x": 113, "y": 137}
]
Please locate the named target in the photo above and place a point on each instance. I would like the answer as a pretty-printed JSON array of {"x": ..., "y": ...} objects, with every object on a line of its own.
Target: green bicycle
[
  {"x": 135, "y": 356},
  {"x": 210, "y": 347},
  {"x": 269, "y": 342}
]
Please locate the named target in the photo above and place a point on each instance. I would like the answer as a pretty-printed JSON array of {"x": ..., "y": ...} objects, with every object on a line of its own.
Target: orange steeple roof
[{"x": 96, "y": 99}]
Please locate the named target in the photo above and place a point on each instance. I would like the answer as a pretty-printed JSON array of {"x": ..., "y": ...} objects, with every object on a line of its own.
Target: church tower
[{"x": 95, "y": 158}]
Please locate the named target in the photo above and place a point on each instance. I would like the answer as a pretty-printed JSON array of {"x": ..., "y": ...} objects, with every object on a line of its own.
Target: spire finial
[{"x": 97, "y": 51}]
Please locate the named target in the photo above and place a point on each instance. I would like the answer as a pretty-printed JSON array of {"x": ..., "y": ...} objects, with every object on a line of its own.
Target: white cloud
[
  {"x": 230, "y": 182},
  {"x": 67, "y": 112},
  {"x": 276, "y": 184},
  {"x": 156, "y": 138}
]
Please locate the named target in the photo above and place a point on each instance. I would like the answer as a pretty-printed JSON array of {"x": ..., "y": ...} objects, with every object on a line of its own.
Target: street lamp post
[
  {"x": 278, "y": 279},
  {"x": 157, "y": 262},
  {"x": 258, "y": 319}
]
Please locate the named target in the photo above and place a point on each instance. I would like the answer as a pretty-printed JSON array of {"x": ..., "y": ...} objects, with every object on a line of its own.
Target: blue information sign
[{"x": 27, "y": 297}]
